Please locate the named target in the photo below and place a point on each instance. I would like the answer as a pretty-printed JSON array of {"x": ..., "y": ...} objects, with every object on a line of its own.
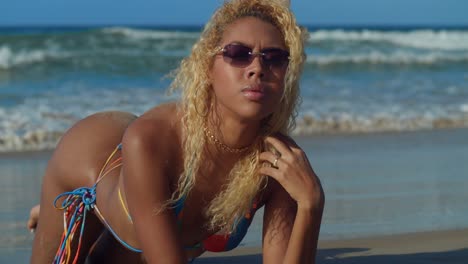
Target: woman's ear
[{"x": 210, "y": 75}]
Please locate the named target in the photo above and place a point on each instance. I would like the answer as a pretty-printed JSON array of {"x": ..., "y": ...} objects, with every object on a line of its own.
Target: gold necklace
[{"x": 221, "y": 145}]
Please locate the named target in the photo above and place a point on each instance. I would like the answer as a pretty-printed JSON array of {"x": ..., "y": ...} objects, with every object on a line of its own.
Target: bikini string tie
[{"x": 75, "y": 205}]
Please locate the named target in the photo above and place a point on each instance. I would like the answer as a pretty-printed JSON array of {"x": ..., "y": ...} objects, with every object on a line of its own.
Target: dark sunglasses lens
[
  {"x": 238, "y": 55},
  {"x": 276, "y": 57}
]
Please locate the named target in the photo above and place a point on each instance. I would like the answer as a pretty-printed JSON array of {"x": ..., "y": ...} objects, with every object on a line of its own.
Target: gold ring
[{"x": 275, "y": 162}]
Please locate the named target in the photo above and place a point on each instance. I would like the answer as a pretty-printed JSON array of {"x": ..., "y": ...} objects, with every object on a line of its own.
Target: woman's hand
[
  {"x": 292, "y": 170},
  {"x": 33, "y": 218}
]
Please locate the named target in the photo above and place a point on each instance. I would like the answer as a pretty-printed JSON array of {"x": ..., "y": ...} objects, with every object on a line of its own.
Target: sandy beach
[
  {"x": 449, "y": 247},
  {"x": 418, "y": 248},
  {"x": 391, "y": 198}
]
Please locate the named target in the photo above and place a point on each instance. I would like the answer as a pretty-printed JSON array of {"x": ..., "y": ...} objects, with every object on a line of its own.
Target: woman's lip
[
  {"x": 255, "y": 88},
  {"x": 253, "y": 94}
]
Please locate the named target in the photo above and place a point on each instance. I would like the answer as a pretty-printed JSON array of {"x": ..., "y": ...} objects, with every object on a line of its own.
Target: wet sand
[
  {"x": 415, "y": 248},
  {"x": 386, "y": 193}
]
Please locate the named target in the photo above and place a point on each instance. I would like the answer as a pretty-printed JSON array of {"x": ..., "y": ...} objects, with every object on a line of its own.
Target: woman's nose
[{"x": 256, "y": 68}]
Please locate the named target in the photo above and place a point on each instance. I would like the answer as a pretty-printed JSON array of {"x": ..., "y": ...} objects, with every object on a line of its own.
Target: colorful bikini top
[
  {"x": 216, "y": 242},
  {"x": 79, "y": 202}
]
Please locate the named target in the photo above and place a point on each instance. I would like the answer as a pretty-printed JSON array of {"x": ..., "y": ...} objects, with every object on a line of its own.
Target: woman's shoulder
[{"x": 158, "y": 129}]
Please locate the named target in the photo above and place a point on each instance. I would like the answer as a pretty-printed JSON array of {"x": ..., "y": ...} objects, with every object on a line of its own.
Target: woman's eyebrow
[
  {"x": 273, "y": 46},
  {"x": 239, "y": 43}
]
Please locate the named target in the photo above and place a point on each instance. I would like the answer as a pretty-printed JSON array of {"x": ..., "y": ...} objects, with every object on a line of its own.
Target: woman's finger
[
  {"x": 269, "y": 157},
  {"x": 287, "y": 140},
  {"x": 272, "y": 172},
  {"x": 279, "y": 145}
]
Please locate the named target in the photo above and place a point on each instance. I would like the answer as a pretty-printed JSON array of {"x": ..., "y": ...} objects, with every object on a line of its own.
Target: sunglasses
[{"x": 239, "y": 55}]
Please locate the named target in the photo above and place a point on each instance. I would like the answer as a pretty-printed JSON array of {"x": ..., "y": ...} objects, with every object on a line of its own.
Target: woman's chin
[{"x": 254, "y": 115}]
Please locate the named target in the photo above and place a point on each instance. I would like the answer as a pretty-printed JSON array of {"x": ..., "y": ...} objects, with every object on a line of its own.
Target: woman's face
[{"x": 249, "y": 89}]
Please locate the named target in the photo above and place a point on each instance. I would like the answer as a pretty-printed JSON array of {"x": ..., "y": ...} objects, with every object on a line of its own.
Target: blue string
[
  {"x": 85, "y": 198},
  {"x": 120, "y": 240},
  {"x": 88, "y": 196},
  {"x": 82, "y": 198}
]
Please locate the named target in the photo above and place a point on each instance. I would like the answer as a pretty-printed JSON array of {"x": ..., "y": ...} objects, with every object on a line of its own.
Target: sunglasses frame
[{"x": 241, "y": 63}]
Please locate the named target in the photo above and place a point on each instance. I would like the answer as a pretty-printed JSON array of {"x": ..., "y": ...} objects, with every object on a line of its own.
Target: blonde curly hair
[{"x": 192, "y": 79}]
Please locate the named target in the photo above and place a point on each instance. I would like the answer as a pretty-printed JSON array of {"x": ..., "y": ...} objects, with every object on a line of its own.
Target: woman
[{"x": 188, "y": 176}]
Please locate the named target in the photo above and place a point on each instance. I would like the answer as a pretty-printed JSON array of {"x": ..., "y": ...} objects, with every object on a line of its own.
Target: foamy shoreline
[{"x": 307, "y": 128}]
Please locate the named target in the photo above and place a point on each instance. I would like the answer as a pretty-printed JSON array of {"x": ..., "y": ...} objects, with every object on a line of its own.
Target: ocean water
[{"x": 355, "y": 80}]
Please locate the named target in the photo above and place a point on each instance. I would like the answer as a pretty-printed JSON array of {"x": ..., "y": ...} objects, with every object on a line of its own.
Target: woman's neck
[{"x": 232, "y": 133}]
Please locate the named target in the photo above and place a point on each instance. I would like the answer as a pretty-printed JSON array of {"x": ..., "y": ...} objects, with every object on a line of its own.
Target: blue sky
[{"x": 197, "y": 12}]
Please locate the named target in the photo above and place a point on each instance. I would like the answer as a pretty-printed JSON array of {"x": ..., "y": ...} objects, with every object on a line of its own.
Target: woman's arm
[
  {"x": 294, "y": 210},
  {"x": 146, "y": 171}
]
